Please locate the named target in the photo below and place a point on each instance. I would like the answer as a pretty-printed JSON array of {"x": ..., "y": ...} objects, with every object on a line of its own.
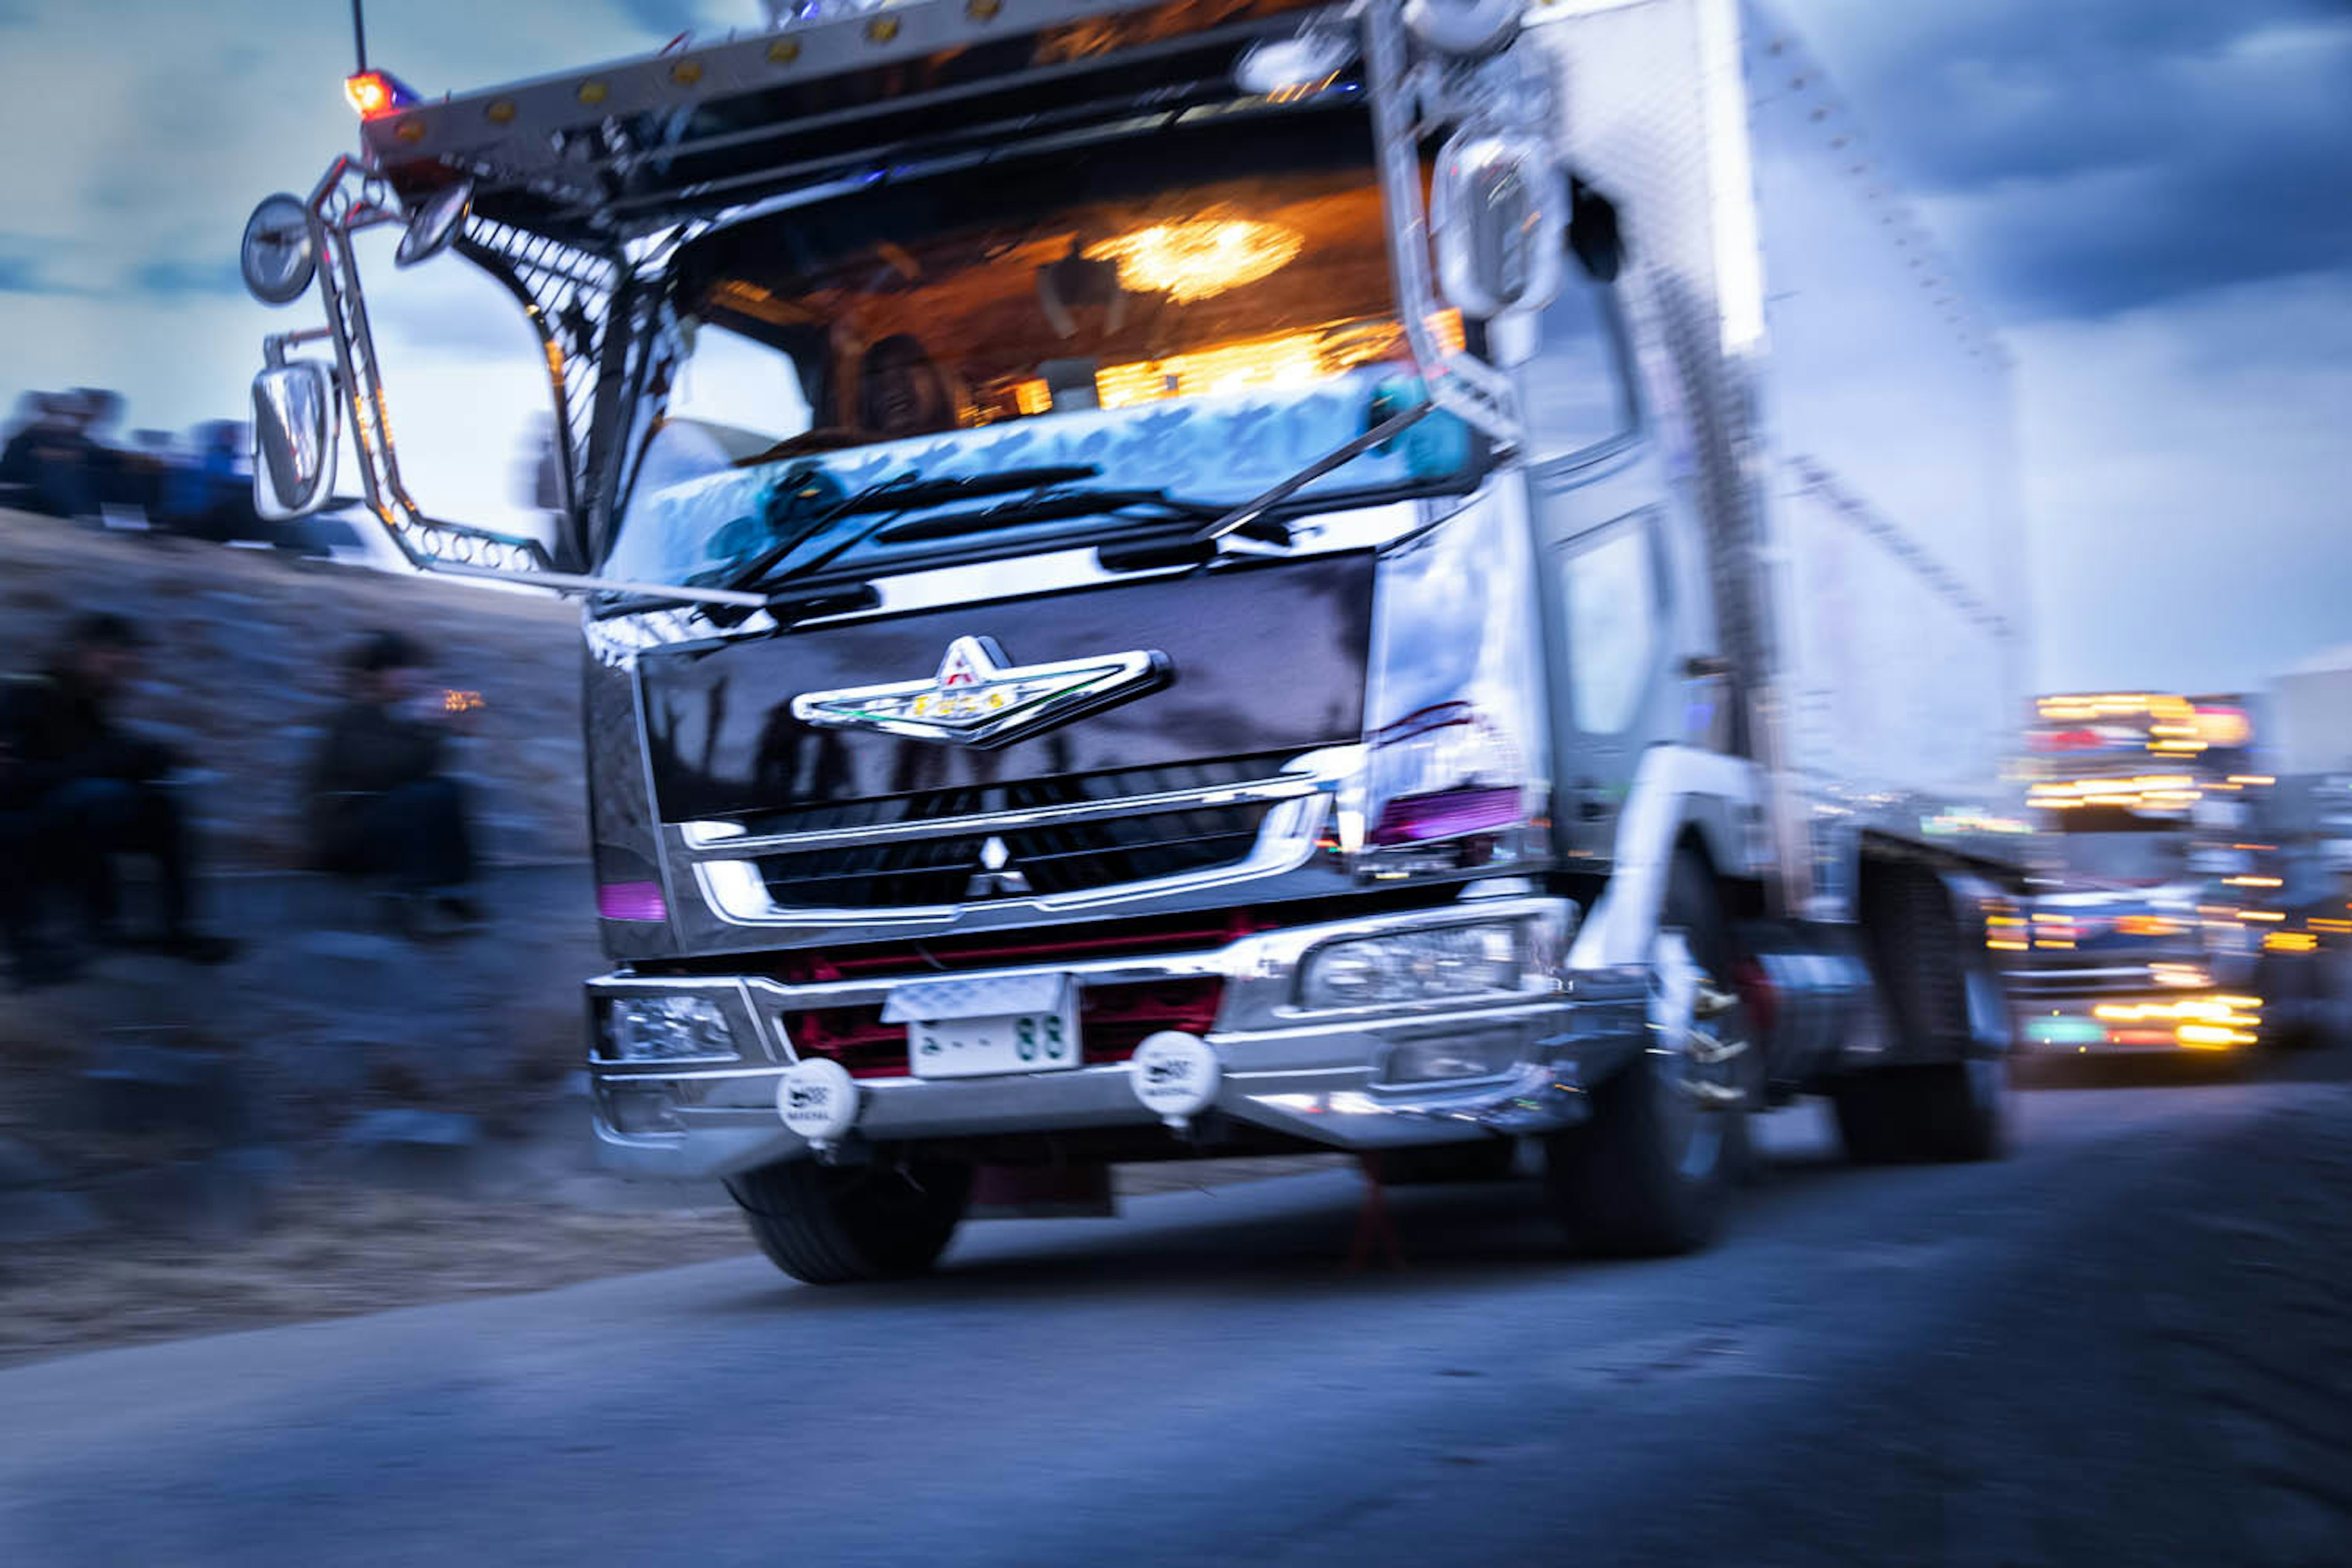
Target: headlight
[
  {"x": 1486, "y": 960},
  {"x": 665, "y": 1029}
]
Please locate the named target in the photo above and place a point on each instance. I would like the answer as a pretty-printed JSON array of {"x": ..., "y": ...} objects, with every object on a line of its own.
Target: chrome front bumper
[{"x": 1340, "y": 1078}]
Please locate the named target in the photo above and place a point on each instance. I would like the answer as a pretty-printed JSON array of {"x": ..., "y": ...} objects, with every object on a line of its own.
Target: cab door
[{"x": 1622, "y": 589}]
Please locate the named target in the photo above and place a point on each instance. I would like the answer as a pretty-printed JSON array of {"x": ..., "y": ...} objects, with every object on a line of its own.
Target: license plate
[{"x": 974, "y": 1028}]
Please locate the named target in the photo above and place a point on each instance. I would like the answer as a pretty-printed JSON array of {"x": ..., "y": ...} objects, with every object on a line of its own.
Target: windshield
[
  {"x": 2110, "y": 845},
  {"x": 1199, "y": 311}
]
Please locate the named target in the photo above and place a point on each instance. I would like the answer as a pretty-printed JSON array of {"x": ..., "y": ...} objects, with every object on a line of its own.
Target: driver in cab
[{"x": 902, "y": 391}]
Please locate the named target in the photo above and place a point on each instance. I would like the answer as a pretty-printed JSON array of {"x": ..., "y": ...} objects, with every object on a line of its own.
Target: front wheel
[
  {"x": 1651, "y": 1172},
  {"x": 836, "y": 1225}
]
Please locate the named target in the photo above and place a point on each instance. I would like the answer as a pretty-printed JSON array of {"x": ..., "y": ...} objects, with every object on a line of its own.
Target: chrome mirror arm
[{"x": 350, "y": 197}]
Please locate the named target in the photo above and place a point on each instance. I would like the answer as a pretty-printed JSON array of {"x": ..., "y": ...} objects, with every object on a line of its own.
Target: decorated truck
[
  {"x": 2181, "y": 898},
  {"x": 1167, "y": 578}
]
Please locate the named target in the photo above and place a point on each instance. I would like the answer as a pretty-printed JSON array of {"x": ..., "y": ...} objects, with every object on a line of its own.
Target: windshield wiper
[
  {"x": 1246, "y": 518},
  {"x": 1052, "y": 507},
  {"x": 1215, "y": 520},
  {"x": 899, "y": 493}
]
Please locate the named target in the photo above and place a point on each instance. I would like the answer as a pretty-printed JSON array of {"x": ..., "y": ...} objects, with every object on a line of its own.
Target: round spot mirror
[{"x": 278, "y": 255}]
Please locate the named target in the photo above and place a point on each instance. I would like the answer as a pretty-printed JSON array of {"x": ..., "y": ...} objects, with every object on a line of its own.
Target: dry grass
[{"x": 332, "y": 1250}]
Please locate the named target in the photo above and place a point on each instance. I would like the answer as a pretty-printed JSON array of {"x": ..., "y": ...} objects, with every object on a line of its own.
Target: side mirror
[
  {"x": 298, "y": 424},
  {"x": 1496, "y": 211},
  {"x": 436, "y": 222}
]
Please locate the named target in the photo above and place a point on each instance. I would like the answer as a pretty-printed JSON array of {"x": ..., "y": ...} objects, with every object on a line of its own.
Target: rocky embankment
[
  {"x": 243, "y": 673},
  {"x": 162, "y": 1096}
]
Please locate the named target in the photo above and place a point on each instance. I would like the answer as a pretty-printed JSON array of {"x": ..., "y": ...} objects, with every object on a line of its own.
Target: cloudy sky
[{"x": 2152, "y": 197}]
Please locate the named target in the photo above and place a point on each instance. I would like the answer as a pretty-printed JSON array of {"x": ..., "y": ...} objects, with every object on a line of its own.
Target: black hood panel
[{"x": 1264, "y": 660}]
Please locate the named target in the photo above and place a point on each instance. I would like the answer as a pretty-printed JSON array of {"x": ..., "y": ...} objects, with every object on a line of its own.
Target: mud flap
[{"x": 1042, "y": 1192}]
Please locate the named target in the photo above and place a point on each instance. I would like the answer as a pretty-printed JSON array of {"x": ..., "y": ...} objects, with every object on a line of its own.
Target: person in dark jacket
[
  {"x": 76, "y": 791},
  {"x": 380, "y": 804}
]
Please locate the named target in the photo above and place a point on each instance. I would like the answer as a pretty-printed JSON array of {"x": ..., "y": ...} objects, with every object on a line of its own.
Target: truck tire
[
  {"x": 1935, "y": 1112},
  {"x": 2293, "y": 1001},
  {"x": 1650, "y": 1173},
  {"x": 1935, "y": 981},
  {"x": 836, "y": 1225},
  {"x": 1488, "y": 1159}
]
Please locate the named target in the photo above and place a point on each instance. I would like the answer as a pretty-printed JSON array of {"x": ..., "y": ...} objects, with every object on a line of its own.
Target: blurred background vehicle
[{"x": 2184, "y": 897}]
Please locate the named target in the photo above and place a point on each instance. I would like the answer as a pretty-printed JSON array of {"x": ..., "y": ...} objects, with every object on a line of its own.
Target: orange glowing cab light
[
  {"x": 369, "y": 93},
  {"x": 376, "y": 94}
]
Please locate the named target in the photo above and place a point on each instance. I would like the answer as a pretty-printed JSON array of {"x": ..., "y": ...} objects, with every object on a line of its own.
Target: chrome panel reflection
[{"x": 1455, "y": 629}]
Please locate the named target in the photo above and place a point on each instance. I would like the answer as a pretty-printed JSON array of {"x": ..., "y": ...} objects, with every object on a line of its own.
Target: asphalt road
[{"x": 2127, "y": 1344}]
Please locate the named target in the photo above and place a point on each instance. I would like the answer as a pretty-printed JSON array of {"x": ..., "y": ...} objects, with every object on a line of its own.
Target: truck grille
[
  {"x": 1048, "y": 860},
  {"x": 1068, "y": 858},
  {"x": 1113, "y": 1020}
]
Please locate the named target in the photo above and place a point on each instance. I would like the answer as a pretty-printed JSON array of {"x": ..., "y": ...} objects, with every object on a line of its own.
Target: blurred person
[
  {"x": 50, "y": 458},
  {"x": 542, "y": 479},
  {"x": 150, "y": 459},
  {"x": 380, "y": 804},
  {"x": 79, "y": 791},
  {"x": 113, "y": 471},
  {"x": 17, "y": 437},
  {"x": 31, "y": 960},
  {"x": 901, "y": 391},
  {"x": 205, "y": 494}
]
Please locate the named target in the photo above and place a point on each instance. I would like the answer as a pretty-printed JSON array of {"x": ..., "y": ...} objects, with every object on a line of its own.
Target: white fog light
[
  {"x": 666, "y": 1030},
  {"x": 1482, "y": 960}
]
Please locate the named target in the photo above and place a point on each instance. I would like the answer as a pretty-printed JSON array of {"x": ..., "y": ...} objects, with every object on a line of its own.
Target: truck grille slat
[{"x": 1024, "y": 794}]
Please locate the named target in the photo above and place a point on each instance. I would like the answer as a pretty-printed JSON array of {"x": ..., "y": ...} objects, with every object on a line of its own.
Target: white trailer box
[{"x": 1869, "y": 540}]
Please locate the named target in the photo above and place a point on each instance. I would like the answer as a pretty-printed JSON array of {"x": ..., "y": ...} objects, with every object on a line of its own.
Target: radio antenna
[{"x": 359, "y": 36}]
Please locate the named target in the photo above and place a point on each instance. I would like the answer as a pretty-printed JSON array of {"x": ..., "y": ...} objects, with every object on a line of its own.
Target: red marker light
[{"x": 371, "y": 92}]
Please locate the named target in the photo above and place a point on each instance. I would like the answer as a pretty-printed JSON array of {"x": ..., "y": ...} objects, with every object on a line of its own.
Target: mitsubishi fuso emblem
[
  {"x": 979, "y": 698},
  {"x": 997, "y": 876}
]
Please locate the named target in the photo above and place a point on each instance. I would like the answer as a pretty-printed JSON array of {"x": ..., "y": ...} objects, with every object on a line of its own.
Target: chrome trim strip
[
  {"x": 1469, "y": 1014},
  {"x": 1357, "y": 1071},
  {"x": 1086, "y": 972},
  {"x": 711, "y": 840},
  {"x": 657, "y": 1072}
]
